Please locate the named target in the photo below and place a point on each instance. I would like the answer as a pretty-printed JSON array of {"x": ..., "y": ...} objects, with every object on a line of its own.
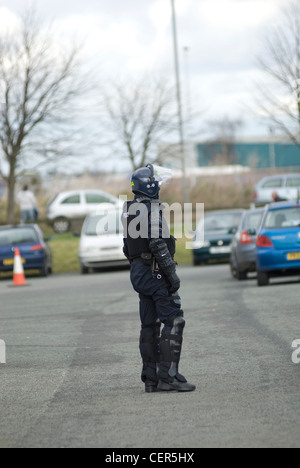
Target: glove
[{"x": 174, "y": 281}]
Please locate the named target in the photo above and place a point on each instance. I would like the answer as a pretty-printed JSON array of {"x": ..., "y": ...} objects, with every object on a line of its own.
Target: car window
[
  {"x": 73, "y": 200},
  {"x": 293, "y": 182},
  {"x": 96, "y": 198},
  {"x": 18, "y": 236},
  {"x": 254, "y": 220},
  {"x": 273, "y": 183},
  {"x": 101, "y": 225},
  {"x": 285, "y": 218}
]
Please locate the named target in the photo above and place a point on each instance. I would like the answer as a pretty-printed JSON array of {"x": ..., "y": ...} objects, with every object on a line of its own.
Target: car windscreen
[
  {"x": 103, "y": 224},
  {"x": 283, "y": 218},
  {"x": 52, "y": 201},
  {"x": 18, "y": 236},
  {"x": 222, "y": 221},
  {"x": 254, "y": 220}
]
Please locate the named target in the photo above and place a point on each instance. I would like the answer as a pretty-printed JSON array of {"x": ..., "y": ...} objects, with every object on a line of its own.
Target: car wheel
[
  {"x": 233, "y": 270},
  {"x": 241, "y": 275},
  {"x": 44, "y": 271},
  {"x": 263, "y": 278},
  {"x": 84, "y": 270},
  {"x": 61, "y": 225}
]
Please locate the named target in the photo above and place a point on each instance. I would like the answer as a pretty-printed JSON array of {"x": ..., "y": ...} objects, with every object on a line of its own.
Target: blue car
[
  {"x": 278, "y": 242},
  {"x": 34, "y": 250}
]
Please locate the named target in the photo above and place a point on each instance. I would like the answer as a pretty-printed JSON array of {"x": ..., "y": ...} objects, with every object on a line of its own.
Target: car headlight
[{"x": 201, "y": 244}]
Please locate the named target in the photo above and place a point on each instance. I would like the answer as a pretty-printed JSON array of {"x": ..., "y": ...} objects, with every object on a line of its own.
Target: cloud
[
  {"x": 235, "y": 16},
  {"x": 134, "y": 36},
  {"x": 9, "y": 21}
]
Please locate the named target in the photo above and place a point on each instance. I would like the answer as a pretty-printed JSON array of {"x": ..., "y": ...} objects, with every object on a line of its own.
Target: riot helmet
[{"x": 148, "y": 180}]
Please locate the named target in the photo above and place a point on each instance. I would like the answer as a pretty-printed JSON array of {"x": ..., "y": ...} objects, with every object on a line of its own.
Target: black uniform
[{"x": 150, "y": 250}]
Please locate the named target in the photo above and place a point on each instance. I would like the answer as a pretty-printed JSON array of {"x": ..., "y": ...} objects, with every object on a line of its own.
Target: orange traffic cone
[{"x": 19, "y": 276}]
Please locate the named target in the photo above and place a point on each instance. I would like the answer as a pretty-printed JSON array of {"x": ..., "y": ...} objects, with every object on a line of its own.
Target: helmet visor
[{"x": 163, "y": 175}]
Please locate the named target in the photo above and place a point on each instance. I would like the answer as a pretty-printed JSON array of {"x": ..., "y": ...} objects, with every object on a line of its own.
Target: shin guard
[
  {"x": 149, "y": 349},
  {"x": 170, "y": 350}
]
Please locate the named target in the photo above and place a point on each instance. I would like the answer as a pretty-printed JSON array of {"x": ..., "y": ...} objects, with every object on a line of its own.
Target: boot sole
[
  {"x": 165, "y": 387},
  {"x": 151, "y": 390}
]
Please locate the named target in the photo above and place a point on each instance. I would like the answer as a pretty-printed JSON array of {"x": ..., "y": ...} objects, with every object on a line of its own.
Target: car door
[{"x": 72, "y": 206}]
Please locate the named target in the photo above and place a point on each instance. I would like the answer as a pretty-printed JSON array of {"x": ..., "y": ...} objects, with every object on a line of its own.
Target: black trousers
[{"x": 156, "y": 305}]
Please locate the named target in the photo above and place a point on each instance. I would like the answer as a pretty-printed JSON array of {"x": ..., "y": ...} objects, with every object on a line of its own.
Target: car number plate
[
  {"x": 220, "y": 250},
  {"x": 293, "y": 256},
  {"x": 10, "y": 261}
]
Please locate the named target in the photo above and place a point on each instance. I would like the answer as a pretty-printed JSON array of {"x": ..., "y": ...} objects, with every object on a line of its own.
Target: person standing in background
[{"x": 28, "y": 205}]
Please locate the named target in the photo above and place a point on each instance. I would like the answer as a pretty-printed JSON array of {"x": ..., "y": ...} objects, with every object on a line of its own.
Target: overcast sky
[{"x": 126, "y": 37}]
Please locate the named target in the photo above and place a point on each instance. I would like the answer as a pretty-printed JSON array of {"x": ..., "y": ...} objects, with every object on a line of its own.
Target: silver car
[
  {"x": 69, "y": 207},
  {"x": 287, "y": 188},
  {"x": 243, "y": 247}
]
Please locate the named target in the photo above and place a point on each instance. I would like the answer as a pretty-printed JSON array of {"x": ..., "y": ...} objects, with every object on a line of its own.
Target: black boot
[
  {"x": 150, "y": 386},
  {"x": 170, "y": 352}
]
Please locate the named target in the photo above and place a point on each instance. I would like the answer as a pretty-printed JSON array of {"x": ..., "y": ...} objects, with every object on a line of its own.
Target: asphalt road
[{"x": 73, "y": 365}]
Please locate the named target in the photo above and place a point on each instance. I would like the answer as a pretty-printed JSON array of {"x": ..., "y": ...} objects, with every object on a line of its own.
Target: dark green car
[{"x": 214, "y": 236}]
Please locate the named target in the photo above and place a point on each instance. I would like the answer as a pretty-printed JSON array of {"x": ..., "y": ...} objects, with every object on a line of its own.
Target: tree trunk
[{"x": 11, "y": 183}]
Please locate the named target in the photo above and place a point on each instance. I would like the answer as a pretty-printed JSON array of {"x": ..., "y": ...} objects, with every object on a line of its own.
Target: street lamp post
[{"x": 179, "y": 103}]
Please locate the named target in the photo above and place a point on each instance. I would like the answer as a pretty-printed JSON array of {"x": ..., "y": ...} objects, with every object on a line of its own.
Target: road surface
[{"x": 73, "y": 365}]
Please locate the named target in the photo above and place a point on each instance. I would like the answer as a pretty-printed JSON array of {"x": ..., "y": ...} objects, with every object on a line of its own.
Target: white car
[
  {"x": 68, "y": 207},
  {"x": 101, "y": 242},
  {"x": 287, "y": 187}
]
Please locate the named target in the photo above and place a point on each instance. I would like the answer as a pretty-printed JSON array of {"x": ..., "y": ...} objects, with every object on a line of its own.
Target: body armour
[{"x": 143, "y": 220}]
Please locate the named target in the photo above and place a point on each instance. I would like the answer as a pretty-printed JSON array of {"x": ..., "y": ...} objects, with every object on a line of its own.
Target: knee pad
[
  {"x": 178, "y": 325},
  {"x": 175, "y": 325}
]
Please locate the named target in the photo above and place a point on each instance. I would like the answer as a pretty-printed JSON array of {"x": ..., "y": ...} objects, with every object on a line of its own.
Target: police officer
[{"x": 150, "y": 250}]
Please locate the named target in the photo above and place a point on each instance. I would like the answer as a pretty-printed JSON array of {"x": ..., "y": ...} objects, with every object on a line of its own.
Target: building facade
[{"x": 254, "y": 154}]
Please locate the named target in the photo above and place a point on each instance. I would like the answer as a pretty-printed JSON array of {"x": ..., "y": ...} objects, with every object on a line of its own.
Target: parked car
[
  {"x": 286, "y": 186},
  {"x": 101, "y": 243},
  {"x": 69, "y": 207},
  {"x": 243, "y": 248},
  {"x": 219, "y": 229},
  {"x": 35, "y": 251},
  {"x": 278, "y": 242}
]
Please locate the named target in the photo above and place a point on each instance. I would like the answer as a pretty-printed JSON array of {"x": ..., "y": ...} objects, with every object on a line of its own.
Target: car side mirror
[
  {"x": 233, "y": 231},
  {"x": 252, "y": 232},
  {"x": 77, "y": 234}
]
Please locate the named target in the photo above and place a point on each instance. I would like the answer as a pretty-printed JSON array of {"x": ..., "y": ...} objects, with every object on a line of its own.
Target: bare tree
[
  {"x": 39, "y": 82},
  {"x": 279, "y": 99},
  {"x": 137, "y": 116}
]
